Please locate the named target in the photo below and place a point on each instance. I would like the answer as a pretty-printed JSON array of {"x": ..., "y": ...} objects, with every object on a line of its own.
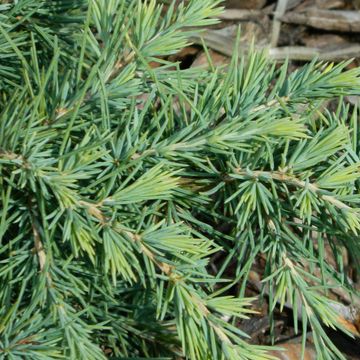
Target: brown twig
[
  {"x": 94, "y": 210},
  {"x": 38, "y": 245},
  {"x": 11, "y": 156},
  {"x": 292, "y": 180}
]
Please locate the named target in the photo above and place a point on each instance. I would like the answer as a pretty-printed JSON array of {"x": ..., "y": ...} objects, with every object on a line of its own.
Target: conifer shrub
[{"x": 121, "y": 181}]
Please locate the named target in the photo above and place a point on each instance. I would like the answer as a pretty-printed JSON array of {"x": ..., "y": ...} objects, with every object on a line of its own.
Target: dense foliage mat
[{"x": 122, "y": 175}]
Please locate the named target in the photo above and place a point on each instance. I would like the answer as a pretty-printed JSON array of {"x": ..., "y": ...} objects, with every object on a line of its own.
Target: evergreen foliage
[{"x": 117, "y": 178}]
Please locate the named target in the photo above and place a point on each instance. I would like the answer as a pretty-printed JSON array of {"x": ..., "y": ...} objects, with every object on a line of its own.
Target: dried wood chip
[
  {"x": 325, "y": 41},
  {"x": 245, "y": 4},
  {"x": 224, "y": 44},
  {"x": 354, "y": 100},
  {"x": 241, "y": 14},
  {"x": 216, "y": 58},
  {"x": 292, "y": 3},
  {"x": 334, "y": 20},
  {"x": 330, "y": 4},
  {"x": 293, "y": 352},
  {"x": 321, "y": 4}
]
